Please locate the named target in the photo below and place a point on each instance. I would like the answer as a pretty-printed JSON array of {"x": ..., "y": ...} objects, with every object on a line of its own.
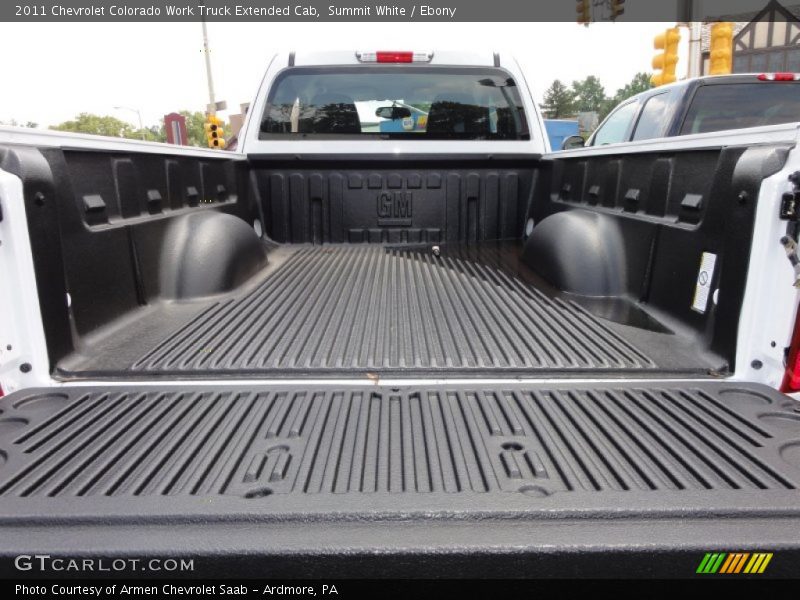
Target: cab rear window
[
  {"x": 395, "y": 102},
  {"x": 737, "y": 105}
]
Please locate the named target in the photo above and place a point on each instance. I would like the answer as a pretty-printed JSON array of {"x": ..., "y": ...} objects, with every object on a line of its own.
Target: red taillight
[
  {"x": 2, "y": 393},
  {"x": 791, "y": 380},
  {"x": 779, "y": 77},
  {"x": 394, "y": 56}
]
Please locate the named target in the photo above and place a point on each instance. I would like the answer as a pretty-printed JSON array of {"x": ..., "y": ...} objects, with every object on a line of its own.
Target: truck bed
[
  {"x": 393, "y": 363},
  {"x": 356, "y": 309},
  {"x": 418, "y": 479},
  {"x": 203, "y": 267}
]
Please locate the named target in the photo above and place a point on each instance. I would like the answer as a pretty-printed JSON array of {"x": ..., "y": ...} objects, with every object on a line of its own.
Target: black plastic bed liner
[
  {"x": 333, "y": 310},
  {"x": 514, "y": 480},
  {"x": 502, "y": 443},
  {"x": 300, "y": 479}
]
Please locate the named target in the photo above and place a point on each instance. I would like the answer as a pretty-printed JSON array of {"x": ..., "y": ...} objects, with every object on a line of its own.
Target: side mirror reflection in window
[{"x": 572, "y": 142}]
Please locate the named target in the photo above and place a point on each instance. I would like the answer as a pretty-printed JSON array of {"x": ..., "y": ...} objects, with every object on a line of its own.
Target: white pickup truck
[{"x": 393, "y": 334}]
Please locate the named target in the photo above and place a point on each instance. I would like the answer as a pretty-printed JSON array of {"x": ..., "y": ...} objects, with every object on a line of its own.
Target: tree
[
  {"x": 559, "y": 101},
  {"x": 155, "y": 133},
  {"x": 640, "y": 83},
  {"x": 98, "y": 125},
  {"x": 195, "y": 130},
  {"x": 114, "y": 127},
  {"x": 110, "y": 126},
  {"x": 590, "y": 95}
]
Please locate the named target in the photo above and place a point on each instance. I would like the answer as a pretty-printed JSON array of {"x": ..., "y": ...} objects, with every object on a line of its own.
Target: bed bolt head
[
  {"x": 436, "y": 251},
  {"x": 25, "y": 367}
]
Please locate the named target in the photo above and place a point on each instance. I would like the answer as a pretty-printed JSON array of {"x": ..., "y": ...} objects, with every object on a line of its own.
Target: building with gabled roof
[{"x": 763, "y": 41}]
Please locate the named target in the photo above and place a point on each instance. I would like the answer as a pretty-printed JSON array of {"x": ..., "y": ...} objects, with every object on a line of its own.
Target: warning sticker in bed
[{"x": 704, "y": 278}]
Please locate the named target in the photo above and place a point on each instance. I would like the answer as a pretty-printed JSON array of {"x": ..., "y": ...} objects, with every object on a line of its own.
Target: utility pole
[
  {"x": 212, "y": 104},
  {"x": 695, "y": 49},
  {"x": 213, "y": 125},
  {"x": 687, "y": 13}
]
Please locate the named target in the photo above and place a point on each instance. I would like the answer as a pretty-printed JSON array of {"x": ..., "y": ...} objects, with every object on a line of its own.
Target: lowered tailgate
[{"x": 448, "y": 477}]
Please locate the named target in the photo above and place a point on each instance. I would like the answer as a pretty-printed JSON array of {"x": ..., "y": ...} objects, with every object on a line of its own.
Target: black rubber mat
[
  {"x": 535, "y": 441},
  {"x": 372, "y": 308}
]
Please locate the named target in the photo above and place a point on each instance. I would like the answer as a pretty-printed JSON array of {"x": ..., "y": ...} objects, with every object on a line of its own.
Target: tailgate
[{"x": 517, "y": 479}]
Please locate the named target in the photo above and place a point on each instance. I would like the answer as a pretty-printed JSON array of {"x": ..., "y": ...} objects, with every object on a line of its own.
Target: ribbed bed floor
[
  {"x": 372, "y": 307},
  {"x": 363, "y": 309}
]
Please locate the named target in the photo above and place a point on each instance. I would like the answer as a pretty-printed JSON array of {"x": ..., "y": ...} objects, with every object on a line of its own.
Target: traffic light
[
  {"x": 617, "y": 8},
  {"x": 214, "y": 132},
  {"x": 721, "y": 56},
  {"x": 665, "y": 61},
  {"x": 584, "y": 10}
]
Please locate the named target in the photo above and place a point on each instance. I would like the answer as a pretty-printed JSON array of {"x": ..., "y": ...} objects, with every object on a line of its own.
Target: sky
[{"x": 52, "y": 72}]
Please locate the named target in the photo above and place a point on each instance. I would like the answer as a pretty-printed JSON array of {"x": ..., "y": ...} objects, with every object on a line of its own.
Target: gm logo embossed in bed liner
[{"x": 394, "y": 209}]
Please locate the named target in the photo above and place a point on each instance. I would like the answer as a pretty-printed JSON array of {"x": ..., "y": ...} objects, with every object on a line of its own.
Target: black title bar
[{"x": 243, "y": 11}]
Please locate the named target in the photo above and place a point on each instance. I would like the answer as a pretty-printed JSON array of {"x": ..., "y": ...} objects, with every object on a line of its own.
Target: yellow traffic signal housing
[
  {"x": 584, "y": 10},
  {"x": 215, "y": 135},
  {"x": 666, "y": 60},
  {"x": 721, "y": 47}
]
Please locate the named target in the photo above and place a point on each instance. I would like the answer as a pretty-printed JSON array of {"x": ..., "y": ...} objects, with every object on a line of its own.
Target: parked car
[
  {"x": 700, "y": 105},
  {"x": 436, "y": 351}
]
